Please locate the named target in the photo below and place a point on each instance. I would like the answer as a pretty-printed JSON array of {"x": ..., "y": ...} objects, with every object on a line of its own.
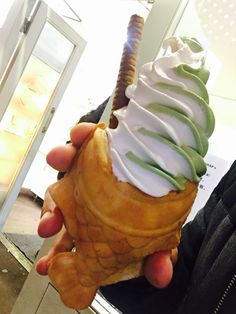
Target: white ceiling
[{"x": 82, "y": 10}]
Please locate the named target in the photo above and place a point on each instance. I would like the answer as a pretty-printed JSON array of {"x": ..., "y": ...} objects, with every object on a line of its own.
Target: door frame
[{"x": 42, "y": 15}]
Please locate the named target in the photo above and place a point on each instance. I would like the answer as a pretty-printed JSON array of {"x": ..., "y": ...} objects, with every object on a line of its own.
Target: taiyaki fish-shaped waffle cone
[{"x": 114, "y": 225}]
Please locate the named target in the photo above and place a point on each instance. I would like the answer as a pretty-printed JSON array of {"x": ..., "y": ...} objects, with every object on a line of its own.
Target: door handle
[{"x": 45, "y": 127}]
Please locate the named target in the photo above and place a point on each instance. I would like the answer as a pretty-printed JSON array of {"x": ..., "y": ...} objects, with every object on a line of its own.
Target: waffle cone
[{"x": 114, "y": 224}]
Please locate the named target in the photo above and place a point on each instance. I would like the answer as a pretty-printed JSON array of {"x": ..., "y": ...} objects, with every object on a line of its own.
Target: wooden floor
[{"x": 20, "y": 235}]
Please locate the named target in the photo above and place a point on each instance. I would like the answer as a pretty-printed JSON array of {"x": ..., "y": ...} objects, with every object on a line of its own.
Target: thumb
[{"x": 158, "y": 269}]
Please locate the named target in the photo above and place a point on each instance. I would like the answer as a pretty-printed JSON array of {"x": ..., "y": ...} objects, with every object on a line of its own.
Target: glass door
[
  {"x": 30, "y": 102},
  {"x": 30, "y": 94}
]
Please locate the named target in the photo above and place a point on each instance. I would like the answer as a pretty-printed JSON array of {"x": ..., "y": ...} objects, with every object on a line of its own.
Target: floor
[
  {"x": 22, "y": 223},
  {"x": 12, "y": 278},
  {"x": 20, "y": 236}
]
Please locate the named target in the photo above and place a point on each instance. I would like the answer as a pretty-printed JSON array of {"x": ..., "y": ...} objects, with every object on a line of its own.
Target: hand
[
  {"x": 61, "y": 158},
  {"x": 51, "y": 222},
  {"x": 158, "y": 268}
]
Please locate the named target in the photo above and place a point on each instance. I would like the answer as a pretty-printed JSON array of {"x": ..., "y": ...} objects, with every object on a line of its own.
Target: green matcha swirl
[{"x": 162, "y": 135}]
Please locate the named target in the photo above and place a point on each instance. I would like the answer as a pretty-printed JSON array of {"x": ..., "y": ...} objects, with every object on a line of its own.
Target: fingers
[
  {"x": 158, "y": 269},
  {"x": 51, "y": 220},
  {"x": 61, "y": 157},
  {"x": 79, "y": 133},
  {"x": 63, "y": 243},
  {"x": 50, "y": 223}
]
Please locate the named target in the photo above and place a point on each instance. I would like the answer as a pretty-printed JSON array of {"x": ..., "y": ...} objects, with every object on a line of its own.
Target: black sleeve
[
  {"x": 94, "y": 115},
  {"x": 138, "y": 296},
  {"x": 195, "y": 232}
]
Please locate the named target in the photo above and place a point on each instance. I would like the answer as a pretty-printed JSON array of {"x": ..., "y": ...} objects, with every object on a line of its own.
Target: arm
[{"x": 197, "y": 232}]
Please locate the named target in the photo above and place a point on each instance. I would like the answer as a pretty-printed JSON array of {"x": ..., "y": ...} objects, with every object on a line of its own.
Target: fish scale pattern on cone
[{"x": 114, "y": 225}]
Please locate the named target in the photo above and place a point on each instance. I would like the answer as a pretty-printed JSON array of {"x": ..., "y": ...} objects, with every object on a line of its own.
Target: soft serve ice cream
[{"x": 162, "y": 135}]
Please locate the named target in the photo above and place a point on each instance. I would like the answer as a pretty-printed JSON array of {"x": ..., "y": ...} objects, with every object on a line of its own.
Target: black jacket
[{"x": 204, "y": 279}]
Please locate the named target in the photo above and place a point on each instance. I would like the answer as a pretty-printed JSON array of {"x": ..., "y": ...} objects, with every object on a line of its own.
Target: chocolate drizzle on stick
[{"x": 127, "y": 66}]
